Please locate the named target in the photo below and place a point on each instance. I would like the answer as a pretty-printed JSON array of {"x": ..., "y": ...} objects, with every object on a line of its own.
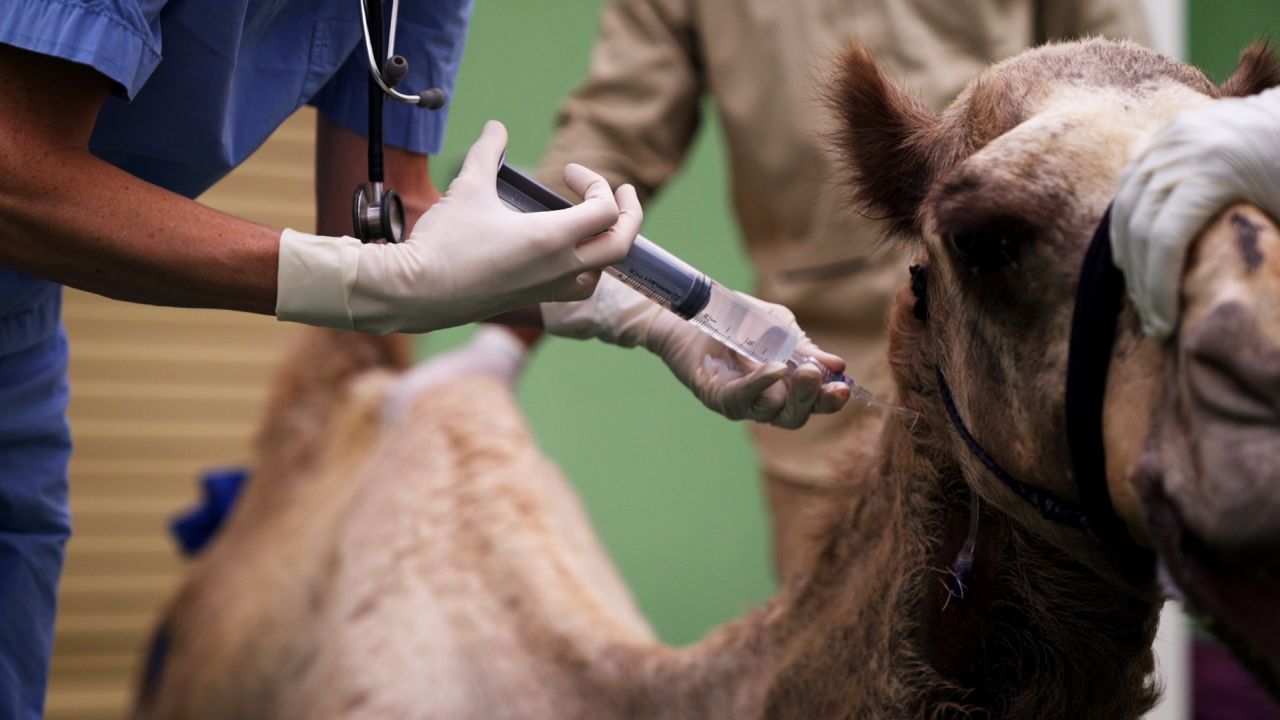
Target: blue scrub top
[
  {"x": 198, "y": 85},
  {"x": 232, "y": 71}
]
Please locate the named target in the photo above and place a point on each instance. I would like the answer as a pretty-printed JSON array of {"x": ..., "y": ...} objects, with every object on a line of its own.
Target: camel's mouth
[
  {"x": 1227, "y": 419},
  {"x": 1222, "y": 442},
  {"x": 1213, "y": 503},
  {"x": 1234, "y": 599}
]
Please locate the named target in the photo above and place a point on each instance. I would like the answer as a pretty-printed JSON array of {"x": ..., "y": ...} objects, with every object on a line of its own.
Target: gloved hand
[
  {"x": 718, "y": 376},
  {"x": 1205, "y": 160},
  {"x": 467, "y": 258}
]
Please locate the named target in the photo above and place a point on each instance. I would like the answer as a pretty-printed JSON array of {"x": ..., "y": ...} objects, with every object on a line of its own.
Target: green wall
[
  {"x": 671, "y": 487},
  {"x": 1218, "y": 31}
]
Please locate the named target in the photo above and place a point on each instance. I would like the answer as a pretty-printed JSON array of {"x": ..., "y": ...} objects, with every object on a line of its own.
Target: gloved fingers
[
  {"x": 831, "y": 398},
  {"x": 1143, "y": 190},
  {"x": 597, "y": 212},
  {"x": 758, "y": 395},
  {"x": 612, "y": 245},
  {"x": 1204, "y": 160},
  {"x": 575, "y": 288},
  {"x": 806, "y": 348},
  {"x": 1136, "y": 239},
  {"x": 769, "y": 402},
  {"x": 1142, "y": 210},
  {"x": 1260, "y": 183},
  {"x": 802, "y": 390},
  {"x": 1175, "y": 223},
  {"x": 1127, "y": 240},
  {"x": 480, "y": 167}
]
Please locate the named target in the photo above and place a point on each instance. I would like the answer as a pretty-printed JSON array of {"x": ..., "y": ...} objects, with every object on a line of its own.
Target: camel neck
[
  {"x": 870, "y": 631},
  {"x": 1038, "y": 633}
]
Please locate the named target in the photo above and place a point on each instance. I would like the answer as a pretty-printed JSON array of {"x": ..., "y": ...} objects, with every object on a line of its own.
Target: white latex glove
[
  {"x": 467, "y": 258},
  {"x": 1205, "y": 160},
  {"x": 723, "y": 380}
]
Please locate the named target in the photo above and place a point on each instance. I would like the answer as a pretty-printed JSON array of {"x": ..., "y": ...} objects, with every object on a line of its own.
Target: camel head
[{"x": 1002, "y": 193}]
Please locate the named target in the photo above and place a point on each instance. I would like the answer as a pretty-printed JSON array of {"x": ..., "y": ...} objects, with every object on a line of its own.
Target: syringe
[{"x": 679, "y": 287}]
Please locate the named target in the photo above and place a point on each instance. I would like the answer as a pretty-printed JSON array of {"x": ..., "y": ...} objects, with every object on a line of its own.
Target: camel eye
[{"x": 982, "y": 251}]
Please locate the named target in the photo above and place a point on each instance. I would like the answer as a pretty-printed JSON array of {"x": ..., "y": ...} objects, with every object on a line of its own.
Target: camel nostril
[{"x": 1232, "y": 367}]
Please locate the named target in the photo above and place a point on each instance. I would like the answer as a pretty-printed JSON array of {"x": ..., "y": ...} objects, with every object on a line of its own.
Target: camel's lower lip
[{"x": 1237, "y": 601}]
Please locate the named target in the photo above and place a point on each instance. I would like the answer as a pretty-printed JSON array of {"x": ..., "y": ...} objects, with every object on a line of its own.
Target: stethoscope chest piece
[{"x": 377, "y": 214}]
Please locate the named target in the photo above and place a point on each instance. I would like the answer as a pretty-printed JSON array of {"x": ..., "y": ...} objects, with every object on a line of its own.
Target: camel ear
[
  {"x": 1257, "y": 71},
  {"x": 888, "y": 139}
]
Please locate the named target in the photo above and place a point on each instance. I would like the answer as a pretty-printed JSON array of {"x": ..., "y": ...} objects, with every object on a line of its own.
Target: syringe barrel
[
  {"x": 665, "y": 278},
  {"x": 746, "y": 326}
]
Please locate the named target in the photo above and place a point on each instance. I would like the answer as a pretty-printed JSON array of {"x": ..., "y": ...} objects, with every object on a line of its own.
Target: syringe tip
[
  {"x": 868, "y": 398},
  {"x": 857, "y": 393}
]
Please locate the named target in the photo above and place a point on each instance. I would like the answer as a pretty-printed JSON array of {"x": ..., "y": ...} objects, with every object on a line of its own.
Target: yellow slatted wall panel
[{"x": 157, "y": 395}]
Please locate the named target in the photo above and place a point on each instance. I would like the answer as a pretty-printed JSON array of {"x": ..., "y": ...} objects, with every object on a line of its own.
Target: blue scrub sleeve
[
  {"x": 118, "y": 38},
  {"x": 431, "y": 36}
]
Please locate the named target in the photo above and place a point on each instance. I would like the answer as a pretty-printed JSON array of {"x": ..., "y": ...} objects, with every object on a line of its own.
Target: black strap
[
  {"x": 1051, "y": 507},
  {"x": 1099, "y": 300}
]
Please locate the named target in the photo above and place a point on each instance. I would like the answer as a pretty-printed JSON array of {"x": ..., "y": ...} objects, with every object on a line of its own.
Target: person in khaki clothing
[{"x": 763, "y": 64}]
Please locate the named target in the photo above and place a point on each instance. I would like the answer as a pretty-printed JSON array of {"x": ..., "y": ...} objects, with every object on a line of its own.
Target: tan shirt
[{"x": 765, "y": 63}]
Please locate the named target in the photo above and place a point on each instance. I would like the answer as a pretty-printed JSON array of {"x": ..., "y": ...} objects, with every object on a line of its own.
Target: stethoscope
[{"x": 378, "y": 213}]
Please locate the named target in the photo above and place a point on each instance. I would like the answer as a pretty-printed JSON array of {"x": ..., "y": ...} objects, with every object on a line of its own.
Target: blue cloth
[
  {"x": 194, "y": 528},
  {"x": 198, "y": 85},
  {"x": 232, "y": 71},
  {"x": 34, "y": 523}
]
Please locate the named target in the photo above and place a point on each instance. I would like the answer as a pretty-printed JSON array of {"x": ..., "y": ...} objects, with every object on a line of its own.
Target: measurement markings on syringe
[
  {"x": 712, "y": 328},
  {"x": 655, "y": 285}
]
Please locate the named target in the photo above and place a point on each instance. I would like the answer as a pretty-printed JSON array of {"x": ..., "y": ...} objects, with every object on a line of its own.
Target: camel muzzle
[
  {"x": 1213, "y": 499},
  {"x": 1231, "y": 375},
  {"x": 1226, "y": 378}
]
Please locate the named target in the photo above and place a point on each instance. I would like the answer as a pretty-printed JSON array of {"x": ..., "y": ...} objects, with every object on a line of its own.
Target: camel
[{"x": 432, "y": 563}]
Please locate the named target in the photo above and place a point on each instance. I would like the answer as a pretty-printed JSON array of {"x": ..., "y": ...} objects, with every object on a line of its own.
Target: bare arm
[
  {"x": 72, "y": 218},
  {"x": 342, "y": 164}
]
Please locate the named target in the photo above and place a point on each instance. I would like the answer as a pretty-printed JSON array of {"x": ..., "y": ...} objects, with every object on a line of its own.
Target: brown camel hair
[{"x": 440, "y": 567}]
